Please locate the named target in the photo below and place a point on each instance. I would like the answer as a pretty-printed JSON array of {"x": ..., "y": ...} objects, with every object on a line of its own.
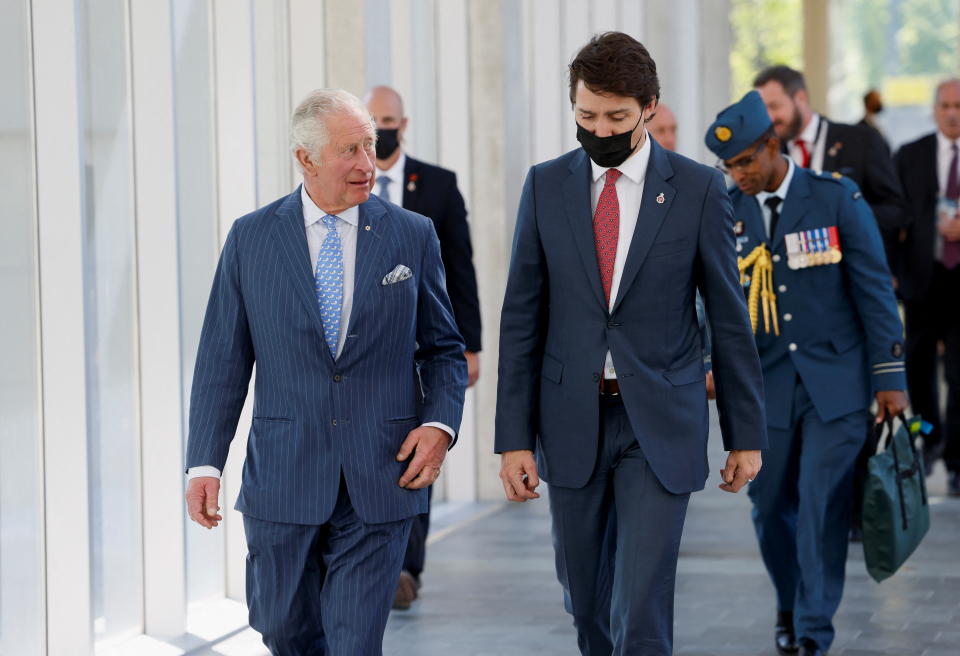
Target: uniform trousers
[
  {"x": 616, "y": 542},
  {"x": 323, "y": 590},
  {"x": 801, "y": 512}
]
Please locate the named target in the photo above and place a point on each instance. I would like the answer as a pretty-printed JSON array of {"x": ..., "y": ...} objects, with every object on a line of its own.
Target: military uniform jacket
[{"x": 840, "y": 331}]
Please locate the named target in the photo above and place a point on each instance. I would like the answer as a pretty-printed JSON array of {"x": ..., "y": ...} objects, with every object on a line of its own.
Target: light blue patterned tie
[
  {"x": 328, "y": 281},
  {"x": 383, "y": 181}
]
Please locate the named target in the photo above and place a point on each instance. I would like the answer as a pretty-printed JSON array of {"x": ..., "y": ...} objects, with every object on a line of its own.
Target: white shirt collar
[
  {"x": 634, "y": 167},
  {"x": 945, "y": 144},
  {"x": 809, "y": 133},
  {"x": 395, "y": 172},
  {"x": 781, "y": 191},
  {"x": 312, "y": 213}
]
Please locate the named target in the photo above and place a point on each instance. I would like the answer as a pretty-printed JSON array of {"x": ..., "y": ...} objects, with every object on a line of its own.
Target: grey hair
[{"x": 308, "y": 126}]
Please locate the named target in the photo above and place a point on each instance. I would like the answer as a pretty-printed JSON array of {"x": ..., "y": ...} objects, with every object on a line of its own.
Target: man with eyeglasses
[{"x": 829, "y": 340}]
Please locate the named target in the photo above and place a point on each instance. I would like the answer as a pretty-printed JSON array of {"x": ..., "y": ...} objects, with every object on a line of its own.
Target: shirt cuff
[
  {"x": 205, "y": 470},
  {"x": 449, "y": 431}
]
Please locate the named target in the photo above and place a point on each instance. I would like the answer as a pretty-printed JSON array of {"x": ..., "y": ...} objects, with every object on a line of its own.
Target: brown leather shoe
[{"x": 406, "y": 592}]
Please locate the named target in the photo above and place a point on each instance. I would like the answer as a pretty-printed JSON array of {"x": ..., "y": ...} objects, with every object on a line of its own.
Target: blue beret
[{"x": 738, "y": 126}]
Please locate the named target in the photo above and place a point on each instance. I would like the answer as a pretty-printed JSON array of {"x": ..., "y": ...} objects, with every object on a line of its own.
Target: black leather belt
[{"x": 609, "y": 387}]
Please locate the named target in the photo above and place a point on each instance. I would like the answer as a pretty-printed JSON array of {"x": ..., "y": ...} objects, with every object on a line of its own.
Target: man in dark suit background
[
  {"x": 815, "y": 142},
  {"x": 336, "y": 297},
  {"x": 431, "y": 191},
  {"x": 931, "y": 276},
  {"x": 601, "y": 369}
]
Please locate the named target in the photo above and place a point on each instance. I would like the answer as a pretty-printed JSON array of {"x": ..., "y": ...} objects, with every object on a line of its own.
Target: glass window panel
[
  {"x": 902, "y": 48},
  {"x": 21, "y": 553},
  {"x": 110, "y": 322},
  {"x": 199, "y": 241},
  {"x": 765, "y": 32}
]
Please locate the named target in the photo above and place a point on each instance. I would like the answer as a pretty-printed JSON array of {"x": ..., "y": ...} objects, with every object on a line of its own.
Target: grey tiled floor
[{"x": 490, "y": 590}]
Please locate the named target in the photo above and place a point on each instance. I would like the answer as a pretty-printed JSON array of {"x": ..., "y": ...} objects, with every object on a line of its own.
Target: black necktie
[{"x": 773, "y": 202}]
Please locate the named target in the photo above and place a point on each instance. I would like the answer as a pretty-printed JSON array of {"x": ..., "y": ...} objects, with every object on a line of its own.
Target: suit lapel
[
  {"x": 373, "y": 231},
  {"x": 576, "y": 197},
  {"x": 411, "y": 169},
  {"x": 654, "y": 205},
  {"x": 793, "y": 207},
  {"x": 291, "y": 239}
]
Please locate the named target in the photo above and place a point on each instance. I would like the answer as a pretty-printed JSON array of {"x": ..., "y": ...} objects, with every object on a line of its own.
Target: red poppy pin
[{"x": 412, "y": 182}]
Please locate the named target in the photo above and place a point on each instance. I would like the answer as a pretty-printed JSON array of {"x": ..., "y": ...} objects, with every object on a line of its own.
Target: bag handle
[
  {"x": 916, "y": 468},
  {"x": 891, "y": 444}
]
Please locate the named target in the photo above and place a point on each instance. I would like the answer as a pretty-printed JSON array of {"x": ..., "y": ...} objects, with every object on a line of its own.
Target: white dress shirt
[
  {"x": 395, "y": 173},
  {"x": 944, "y": 156},
  {"x": 781, "y": 193},
  {"x": 815, "y": 139},
  {"x": 629, "y": 194},
  {"x": 348, "y": 223}
]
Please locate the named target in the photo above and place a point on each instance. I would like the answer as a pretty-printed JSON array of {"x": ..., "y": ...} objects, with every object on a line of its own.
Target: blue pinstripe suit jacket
[{"x": 314, "y": 417}]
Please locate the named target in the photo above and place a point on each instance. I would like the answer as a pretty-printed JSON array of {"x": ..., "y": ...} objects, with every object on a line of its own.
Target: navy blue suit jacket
[
  {"x": 314, "y": 417},
  {"x": 843, "y": 319},
  {"x": 432, "y": 191},
  {"x": 556, "y": 329}
]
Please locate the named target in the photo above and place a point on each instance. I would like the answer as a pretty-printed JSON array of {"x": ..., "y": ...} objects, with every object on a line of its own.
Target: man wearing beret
[{"x": 829, "y": 339}]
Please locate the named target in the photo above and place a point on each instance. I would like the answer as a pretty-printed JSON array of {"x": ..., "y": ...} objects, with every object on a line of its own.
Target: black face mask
[
  {"x": 387, "y": 142},
  {"x": 606, "y": 151}
]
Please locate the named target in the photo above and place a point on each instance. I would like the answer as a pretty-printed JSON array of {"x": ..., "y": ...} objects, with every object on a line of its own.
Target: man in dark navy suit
[
  {"x": 855, "y": 151},
  {"x": 930, "y": 171},
  {"x": 601, "y": 373},
  {"x": 830, "y": 341},
  {"x": 336, "y": 297},
  {"x": 431, "y": 191}
]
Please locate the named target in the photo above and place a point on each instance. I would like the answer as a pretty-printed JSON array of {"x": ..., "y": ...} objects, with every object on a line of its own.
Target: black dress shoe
[
  {"x": 784, "y": 636},
  {"x": 953, "y": 484},
  {"x": 810, "y": 648}
]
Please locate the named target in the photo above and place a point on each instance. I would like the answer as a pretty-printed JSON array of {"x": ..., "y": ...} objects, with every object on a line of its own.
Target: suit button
[
  {"x": 776, "y": 258},
  {"x": 782, "y": 289},
  {"x": 337, "y": 378},
  {"x": 613, "y": 324},
  {"x": 792, "y": 347},
  {"x": 788, "y": 317},
  {"x": 334, "y": 422},
  {"x": 596, "y": 378}
]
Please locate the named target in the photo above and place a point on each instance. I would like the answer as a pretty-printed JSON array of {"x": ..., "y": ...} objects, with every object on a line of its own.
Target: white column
[
  {"x": 421, "y": 103},
  {"x": 401, "y": 49},
  {"x": 576, "y": 33},
  {"x": 307, "y": 63},
  {"x": 605, "y": 16},
  {"x": 59, "y": 211},
  {"x": 343, "y": 20},
  {"x": 453, "y": 149},
  {"x": 548, "y": 72},
  {"x": 158, "y": 322},
  {"x": 488, "y": 96},
  {"x": 237, "y": 182}
]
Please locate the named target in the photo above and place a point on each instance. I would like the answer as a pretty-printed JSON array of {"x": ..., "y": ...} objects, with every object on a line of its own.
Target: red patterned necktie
[
  {"x": 802, "y": 145},
  {"x": 606, "y": 230}
]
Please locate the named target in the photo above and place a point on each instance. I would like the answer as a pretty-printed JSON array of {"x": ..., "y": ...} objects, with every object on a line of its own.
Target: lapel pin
[
  {"x": 661, "y": 198},
  {"x": 835, "y": 149},
  {"x": 412, "y": 182},
  {"x": 367, "y": 228}
]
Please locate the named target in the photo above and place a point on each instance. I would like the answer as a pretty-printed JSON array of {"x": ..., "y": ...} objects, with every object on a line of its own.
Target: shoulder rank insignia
[{"x": 815, "y": 247}]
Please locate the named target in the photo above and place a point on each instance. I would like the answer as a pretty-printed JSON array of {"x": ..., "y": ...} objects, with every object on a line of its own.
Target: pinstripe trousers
[{"x": 323, "y": 589}]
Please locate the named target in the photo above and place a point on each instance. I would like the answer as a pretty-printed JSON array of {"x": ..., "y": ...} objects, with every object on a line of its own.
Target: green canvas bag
[{"x": 896, "y": 514}]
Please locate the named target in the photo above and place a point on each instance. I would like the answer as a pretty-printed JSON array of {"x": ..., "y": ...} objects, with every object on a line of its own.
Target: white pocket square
[{"x": 399, "y": 274}]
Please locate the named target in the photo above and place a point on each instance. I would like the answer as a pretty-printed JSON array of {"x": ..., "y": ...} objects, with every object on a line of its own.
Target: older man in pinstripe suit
[{"x": 339, "y": 299}]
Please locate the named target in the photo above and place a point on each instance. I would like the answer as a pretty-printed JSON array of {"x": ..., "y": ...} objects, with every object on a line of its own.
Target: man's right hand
[
  {"x": 518, "y": 473},
  {"x": 202, "y": 495}
]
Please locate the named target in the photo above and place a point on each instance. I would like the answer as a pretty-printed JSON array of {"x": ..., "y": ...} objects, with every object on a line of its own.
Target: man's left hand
[
  {"x": 473, "y": 367},
  {"x": 890, "y": 404},
  {"x": 428, "y": 444},
  {"x": 742, "y": 467}
]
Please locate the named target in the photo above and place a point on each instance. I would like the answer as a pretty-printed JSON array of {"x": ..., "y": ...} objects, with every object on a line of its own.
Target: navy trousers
[
  {"x": 801, "y": 513},
  {"x": 323, "y": 589},
  {"x": 616, "y": 541},
  {"x": 416, "y": 554}
]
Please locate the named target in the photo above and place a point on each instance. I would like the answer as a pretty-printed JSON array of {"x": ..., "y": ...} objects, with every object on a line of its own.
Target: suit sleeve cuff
[
  {"x": 889, "y": 376},
  {"x": 205, "y": 470},
  {"x": 446, "y": 429}
]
